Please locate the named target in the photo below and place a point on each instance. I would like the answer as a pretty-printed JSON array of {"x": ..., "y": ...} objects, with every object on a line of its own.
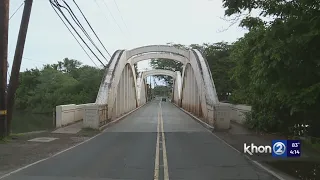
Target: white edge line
[
  {"x": 34, "y": 163},
  {"x": 255, "y": 162},
  {"x": 29, "y": 165},
  {"x": 199, "y": 120}
]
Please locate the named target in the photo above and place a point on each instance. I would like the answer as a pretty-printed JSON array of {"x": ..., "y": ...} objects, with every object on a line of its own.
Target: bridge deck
[{"x": 127, "y": 150}]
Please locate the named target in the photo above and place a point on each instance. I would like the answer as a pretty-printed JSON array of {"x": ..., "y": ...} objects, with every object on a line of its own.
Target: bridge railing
[
  {"x": 221, "y": 114},
  {"x": 95, "y": 115},
  {"x": 68, "y": 114}
]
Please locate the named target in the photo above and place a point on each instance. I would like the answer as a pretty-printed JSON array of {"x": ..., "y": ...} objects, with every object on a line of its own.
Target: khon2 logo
[{"x": 279, "y": 148}]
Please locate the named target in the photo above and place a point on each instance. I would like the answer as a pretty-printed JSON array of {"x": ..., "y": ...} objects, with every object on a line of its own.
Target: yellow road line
[
  {"x": 156, "y": 163},
  {"x": 164, "y": 150}
]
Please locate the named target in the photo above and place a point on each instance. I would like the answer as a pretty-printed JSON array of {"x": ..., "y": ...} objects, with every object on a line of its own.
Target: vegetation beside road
[
  {"x": 67, "y": 82},
  {"x": 41, "y": 90},
  {"x": 277, "y": 63}
]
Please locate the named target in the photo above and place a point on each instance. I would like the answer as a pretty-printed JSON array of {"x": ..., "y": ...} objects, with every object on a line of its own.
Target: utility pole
[
  {"x": 15, "y": 71},
  {"x": 4, "y": 21}
]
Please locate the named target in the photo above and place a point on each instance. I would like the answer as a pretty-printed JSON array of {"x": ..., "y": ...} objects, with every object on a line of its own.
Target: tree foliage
[
  {"x": 278, "y": 63},
  {"x": 67, "y": 82},
  {"x": 161, "y": 91}
]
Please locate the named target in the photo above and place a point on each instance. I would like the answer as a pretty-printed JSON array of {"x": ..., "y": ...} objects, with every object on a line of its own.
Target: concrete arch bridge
[{"x": 121, "y": 91}]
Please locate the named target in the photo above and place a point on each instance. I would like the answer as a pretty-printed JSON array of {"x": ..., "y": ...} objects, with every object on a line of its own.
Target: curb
[
  {"x": 204, "y": 124},
  {"x": 120, "y": 118},
  {"x": 211, "y": 128}
]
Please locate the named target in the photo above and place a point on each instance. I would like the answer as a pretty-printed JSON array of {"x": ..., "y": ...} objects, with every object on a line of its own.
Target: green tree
[
  {"x": 67, "y": 82},
  {"x": 278, "y": 63},
  {"x": 161, "y": 91},
  {"x": 217, "y": 55}
]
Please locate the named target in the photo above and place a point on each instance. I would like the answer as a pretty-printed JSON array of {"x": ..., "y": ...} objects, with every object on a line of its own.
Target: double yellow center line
[{"x": 164, "y": 151}]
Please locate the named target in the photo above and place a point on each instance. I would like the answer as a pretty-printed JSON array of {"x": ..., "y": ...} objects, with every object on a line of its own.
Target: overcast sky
[{"x": 145, "y": 22}]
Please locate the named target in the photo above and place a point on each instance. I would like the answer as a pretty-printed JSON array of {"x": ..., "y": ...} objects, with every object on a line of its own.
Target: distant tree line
[{"x": 67, "y": 82}]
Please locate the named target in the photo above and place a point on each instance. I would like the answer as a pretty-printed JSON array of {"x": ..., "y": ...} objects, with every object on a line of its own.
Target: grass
[{"x": 27, "y": 122}]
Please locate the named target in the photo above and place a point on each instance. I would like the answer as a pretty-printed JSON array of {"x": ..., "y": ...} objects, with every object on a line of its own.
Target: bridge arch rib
[
  {"x": 158, "y": 72},
  {"x": 153, "y": 55},
  {"x": 142, "y": 83},
  {"x": 196, "y": 80},
  {"x": 157, "y": 48}
]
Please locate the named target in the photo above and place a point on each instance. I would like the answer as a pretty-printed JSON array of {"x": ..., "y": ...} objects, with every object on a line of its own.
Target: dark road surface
[{"x": 133, "y": 149}]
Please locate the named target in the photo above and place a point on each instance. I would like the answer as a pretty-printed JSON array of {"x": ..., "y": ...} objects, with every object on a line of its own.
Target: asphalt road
[{"x": 158, "y": 141}]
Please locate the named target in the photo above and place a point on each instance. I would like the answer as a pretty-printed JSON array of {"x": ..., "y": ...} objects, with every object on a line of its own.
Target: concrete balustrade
[
  {"x": 95, "y": 115},
  {"x": 224, "y": 113},
  {"x": 68, "y": 114}
]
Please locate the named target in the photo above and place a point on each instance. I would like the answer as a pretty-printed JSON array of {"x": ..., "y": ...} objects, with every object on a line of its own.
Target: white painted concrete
[
  {"x": 177, "y": 84},
  {"x": 158, "y": 55},
  {"x": 94, "y": 114},
  {"x": 68, "y": 114},
  {"x": 157, "y": 48},
  {"x": 158, "y": 72},
  {"x": 222, "y": 116},
  {"x": 141, "y": 89}
]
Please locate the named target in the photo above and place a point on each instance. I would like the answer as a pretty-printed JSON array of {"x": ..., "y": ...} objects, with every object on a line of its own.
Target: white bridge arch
[
  {"x": 141, "y": 83},
  {"x": 194, "y": 89}
]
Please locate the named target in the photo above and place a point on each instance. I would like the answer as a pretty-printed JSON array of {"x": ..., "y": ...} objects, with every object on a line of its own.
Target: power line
[
  {"x": 74, "y": 17},
  {"x": 112, "y": 16},
  {"x": 115, "y": 2},
  {"x": 105, "y": 15},
  {"x": 73, "y": 35},
  {"x": 16, "y": 10},
  {"x": 57, "y": 7},
  {"x": 33, "y": 60},
  {"x": 101, "y": 10},
  {"x": 91, "y": 27}
]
